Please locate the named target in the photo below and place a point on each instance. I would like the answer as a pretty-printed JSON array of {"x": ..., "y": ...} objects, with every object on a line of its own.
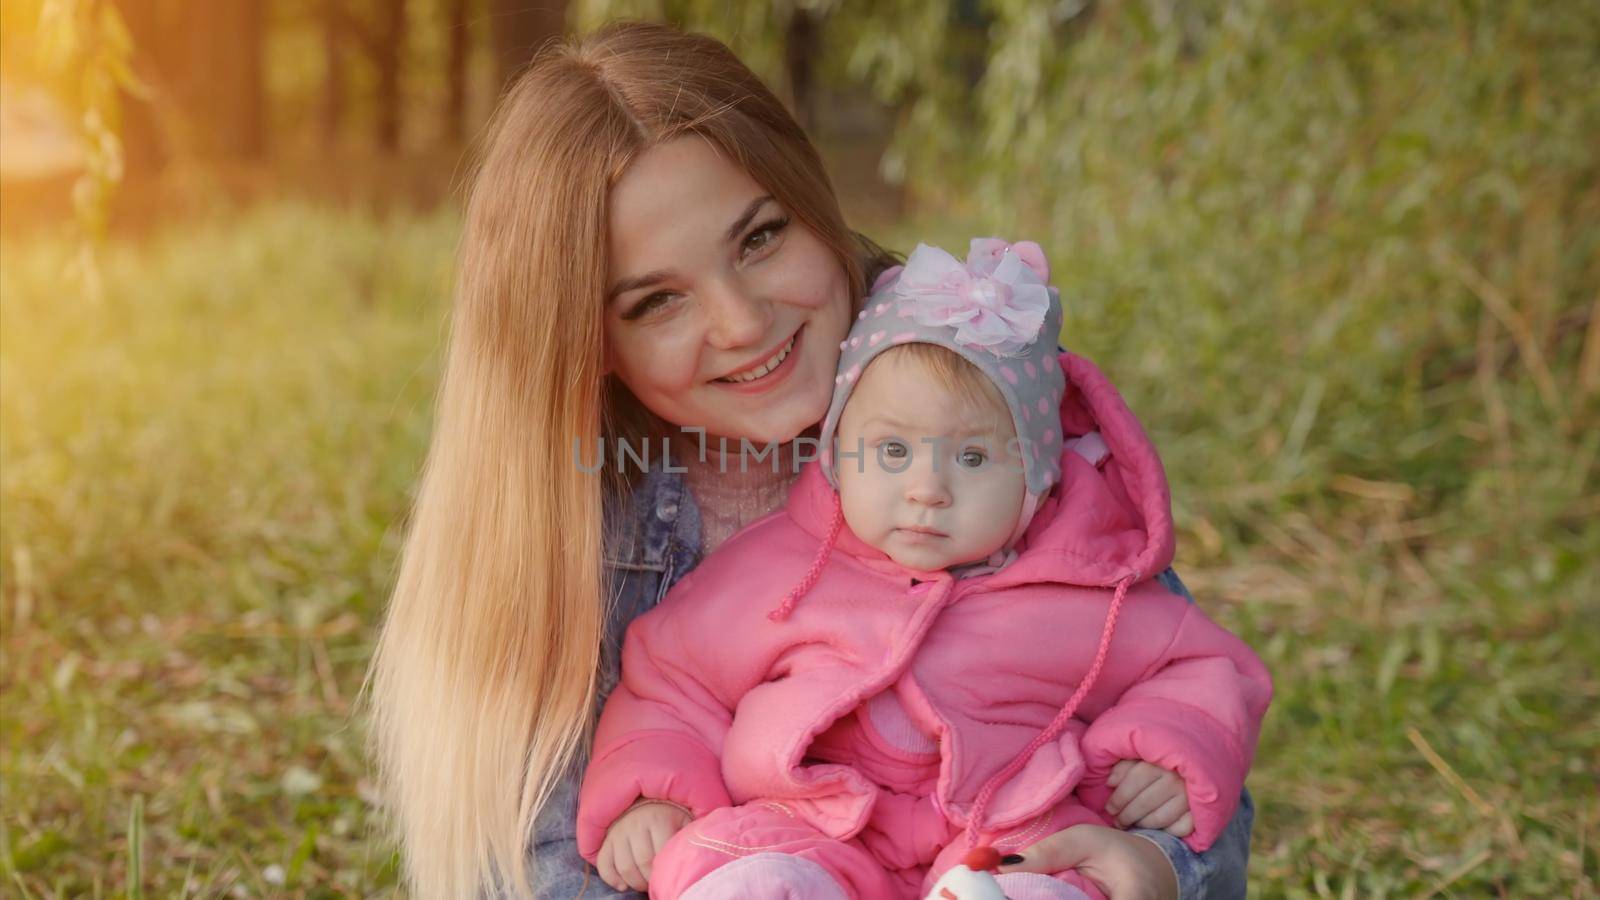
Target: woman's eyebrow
[
  {"x": 649, "y": 278},
  {"x": 744, "y": 218},
  {"x": 636, "y": 282}
]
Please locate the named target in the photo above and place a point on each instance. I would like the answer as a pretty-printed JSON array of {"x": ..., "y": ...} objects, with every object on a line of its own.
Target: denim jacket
[{"x": 653, "y": 540}]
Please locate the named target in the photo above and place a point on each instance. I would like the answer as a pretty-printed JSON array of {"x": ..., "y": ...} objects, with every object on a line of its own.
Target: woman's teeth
[{"x": 776, "y": 360}]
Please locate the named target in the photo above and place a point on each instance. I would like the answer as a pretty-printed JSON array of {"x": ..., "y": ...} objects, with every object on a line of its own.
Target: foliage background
[{"x": 1343, "y": 258}]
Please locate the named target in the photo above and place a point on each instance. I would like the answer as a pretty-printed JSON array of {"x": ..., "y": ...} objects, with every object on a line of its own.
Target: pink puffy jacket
[{"x": 719, "y": 702}]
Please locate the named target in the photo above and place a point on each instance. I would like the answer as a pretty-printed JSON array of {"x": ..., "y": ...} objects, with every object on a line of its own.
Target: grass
[
  {"x": 203, "y": 479},
  {"x": 205, "y": 473}
]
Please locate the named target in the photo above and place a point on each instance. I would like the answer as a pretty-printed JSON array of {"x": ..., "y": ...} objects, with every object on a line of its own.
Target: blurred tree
[
  {"x": 379, "y": 30},
  {"x": 224, "y": 78},
  {"x": 84, "y": 46},
  {"x": 145, "y": 148},
  {"x": 385, "y": 51},
  {"x": 331, "y": 119},
  {"x": 458, "y": 34},
  {"x": 520, "y": 27},
  {"x": 802, "y": 46},
  {"x": 787, "y": 42},
  {"x": 205, "y": 65}
]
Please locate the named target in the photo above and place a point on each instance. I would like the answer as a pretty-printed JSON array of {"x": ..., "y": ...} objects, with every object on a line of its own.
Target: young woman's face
[{"x": 722, "y": 313}]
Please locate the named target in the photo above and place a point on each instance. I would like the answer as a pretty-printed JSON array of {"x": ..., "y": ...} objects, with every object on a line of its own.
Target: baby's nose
[{"x": 928, "y": 489}]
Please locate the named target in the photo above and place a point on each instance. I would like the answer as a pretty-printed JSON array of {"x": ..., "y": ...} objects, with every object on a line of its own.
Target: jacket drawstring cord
[
  {"x": 815, "y": 572},
  {"x": 1058, "y": 725}
]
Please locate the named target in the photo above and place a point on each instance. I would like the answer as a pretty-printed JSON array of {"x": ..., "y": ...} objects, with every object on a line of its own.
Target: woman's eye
[
  {"x": 895, "y": 449},
  {"x": 648, "y": 304},
  {"x": 973, "y": 459},
  {"x": 764, "y": 235}
]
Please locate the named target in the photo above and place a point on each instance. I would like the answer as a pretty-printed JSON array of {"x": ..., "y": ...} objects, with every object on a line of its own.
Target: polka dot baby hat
[{"x": 995, "y": 310}]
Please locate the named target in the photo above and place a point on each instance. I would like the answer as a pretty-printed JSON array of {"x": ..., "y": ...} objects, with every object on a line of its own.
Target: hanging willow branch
[{"x": 86, "y": 47}]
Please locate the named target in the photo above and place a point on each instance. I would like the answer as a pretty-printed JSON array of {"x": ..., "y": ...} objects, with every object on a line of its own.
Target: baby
[{"x": 975, "y": 639}]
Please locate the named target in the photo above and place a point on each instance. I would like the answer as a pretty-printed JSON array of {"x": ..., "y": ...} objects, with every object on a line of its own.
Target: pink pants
[{"x": 764, "y": 851}]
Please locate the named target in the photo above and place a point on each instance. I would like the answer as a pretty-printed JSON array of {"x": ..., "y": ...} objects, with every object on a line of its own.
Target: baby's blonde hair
[{"x": 954, "y": 374}]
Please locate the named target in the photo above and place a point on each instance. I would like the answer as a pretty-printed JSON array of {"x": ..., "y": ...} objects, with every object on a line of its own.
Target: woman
[{"x": 651, "y": 244}]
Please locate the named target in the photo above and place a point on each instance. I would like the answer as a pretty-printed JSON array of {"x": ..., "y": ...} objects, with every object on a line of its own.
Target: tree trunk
[
  {"x": 238, "y": 98},
  {"x": 455, "y": 109},
  {"x": 801, "y": 46},
  {"x": 144, "y": 147},
  {"x": 386, "y": 56},
  {"x": 204, "y": 64},
  {"x": 333, "y": 48},
  {"x": 222, "y": 88},
  {"x": 520, "y": 28}
]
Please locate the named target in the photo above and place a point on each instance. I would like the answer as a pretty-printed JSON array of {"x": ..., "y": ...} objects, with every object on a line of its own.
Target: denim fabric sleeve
[
  {"x": 557, "y": 872},
  {"x": 561, "y": 873},
  {"x": 1218, "y": 873},
  {"x": 1170, "y": 580}
]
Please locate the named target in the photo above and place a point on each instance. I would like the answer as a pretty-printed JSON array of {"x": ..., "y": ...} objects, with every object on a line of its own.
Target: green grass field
[{"x": 205, "y": 476}]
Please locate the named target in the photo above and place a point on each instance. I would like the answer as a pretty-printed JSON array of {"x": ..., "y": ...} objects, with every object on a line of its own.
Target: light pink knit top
[{"x": 728, "y": 498}]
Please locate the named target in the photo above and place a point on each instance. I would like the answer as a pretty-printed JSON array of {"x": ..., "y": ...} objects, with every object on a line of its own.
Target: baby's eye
[
  {"x": 973, "y": 459},
  {"x": 895, "y": 449}
]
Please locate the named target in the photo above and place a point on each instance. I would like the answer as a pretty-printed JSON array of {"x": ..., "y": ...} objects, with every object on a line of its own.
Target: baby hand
[
  {"x": 634, "y": 839},
  {"x": 1148, "y": 796}
]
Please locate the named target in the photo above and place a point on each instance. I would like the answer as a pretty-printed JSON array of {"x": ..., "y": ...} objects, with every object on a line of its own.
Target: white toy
[{"x": 972, "y": 879}]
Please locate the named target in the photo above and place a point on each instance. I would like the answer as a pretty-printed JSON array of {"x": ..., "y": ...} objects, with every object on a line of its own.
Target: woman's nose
[{"x": 737, "y": 317}]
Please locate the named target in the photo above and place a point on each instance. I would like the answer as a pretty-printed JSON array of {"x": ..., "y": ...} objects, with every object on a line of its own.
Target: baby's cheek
[
  {"x": 1004, "y": 496},
  {"x": 858, "y": 507}
]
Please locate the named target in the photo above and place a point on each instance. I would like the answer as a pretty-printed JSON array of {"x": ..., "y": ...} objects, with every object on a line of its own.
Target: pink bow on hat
[{"x": 997, "y": 301}]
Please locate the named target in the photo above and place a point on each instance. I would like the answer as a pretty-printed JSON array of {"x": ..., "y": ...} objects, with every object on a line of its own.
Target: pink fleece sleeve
[
  {"x": 1198, "y": 713},
  {"x": 661, "y": 732}
]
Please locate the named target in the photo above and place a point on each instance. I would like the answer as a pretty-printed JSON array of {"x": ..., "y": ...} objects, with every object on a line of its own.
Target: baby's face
[{"x": 939, "y": 482}]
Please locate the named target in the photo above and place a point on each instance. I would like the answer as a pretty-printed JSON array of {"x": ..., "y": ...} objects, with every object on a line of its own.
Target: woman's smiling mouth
[{"x": 767, "y": 371}]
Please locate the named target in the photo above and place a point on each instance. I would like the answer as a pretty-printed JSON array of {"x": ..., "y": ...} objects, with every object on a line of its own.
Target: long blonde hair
[{"x": 482, "y": 688}]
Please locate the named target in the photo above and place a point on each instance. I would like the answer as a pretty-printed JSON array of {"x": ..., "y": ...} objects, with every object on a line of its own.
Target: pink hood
[
  {"x": 1121, "y": 524},
  {"x": 720, "y": 701}
]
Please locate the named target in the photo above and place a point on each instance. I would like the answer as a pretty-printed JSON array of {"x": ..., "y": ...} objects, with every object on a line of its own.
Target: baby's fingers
[
  {"x": 1183, "y": 827},
  {"x": 1120, "y": 771},
  {"x": 660, "y": 833},
  {"x": 617, "y": 867},
  {"x": 641, "y": 855},
  {"x": 606, "y": 865},
  {"x": 1167, "y": 814},
  {"x": 1134, "y": 780},
  {"x": 1149, "y": 800}
]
